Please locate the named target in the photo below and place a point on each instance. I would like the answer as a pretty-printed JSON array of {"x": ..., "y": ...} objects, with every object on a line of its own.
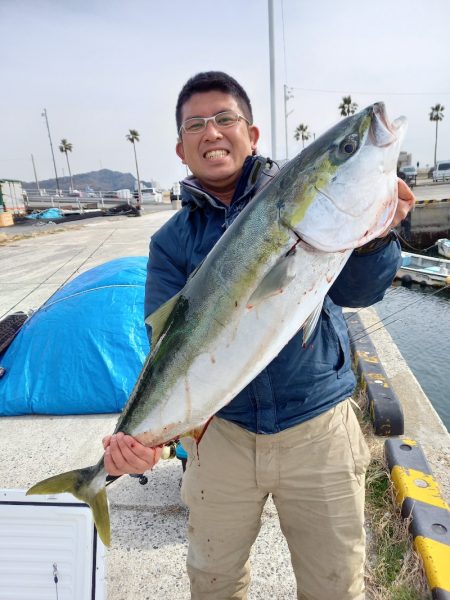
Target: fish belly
[{"x": 246, "y": 345}]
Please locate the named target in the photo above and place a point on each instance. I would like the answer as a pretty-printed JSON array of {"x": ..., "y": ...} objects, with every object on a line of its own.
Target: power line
[{"x": 322, "y": 91}]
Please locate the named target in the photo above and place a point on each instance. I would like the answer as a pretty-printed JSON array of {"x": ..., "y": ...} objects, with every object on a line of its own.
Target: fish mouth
[{"x": 382, "y": 132}]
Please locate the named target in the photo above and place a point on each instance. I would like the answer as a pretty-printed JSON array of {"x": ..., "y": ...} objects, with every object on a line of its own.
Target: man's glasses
[{"x": 227, "y": 118}]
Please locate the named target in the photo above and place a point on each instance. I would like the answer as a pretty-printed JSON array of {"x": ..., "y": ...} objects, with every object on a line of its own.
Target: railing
[
  {"x": 83, "y": 201},
  {"x": 68, "y": 200}
]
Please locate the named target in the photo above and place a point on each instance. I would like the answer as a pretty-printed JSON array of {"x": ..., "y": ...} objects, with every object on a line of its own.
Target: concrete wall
[{"x": 430, "y": 220}]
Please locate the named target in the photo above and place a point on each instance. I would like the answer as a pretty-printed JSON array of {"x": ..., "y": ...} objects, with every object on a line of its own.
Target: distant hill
[{"x": 104, "y": 180}]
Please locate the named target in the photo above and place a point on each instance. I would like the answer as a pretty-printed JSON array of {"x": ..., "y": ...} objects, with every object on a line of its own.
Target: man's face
[{"x": 216, "y": 155}]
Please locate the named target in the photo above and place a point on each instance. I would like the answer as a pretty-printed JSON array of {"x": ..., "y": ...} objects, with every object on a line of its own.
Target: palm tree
[
  {"x": 302, "y": 133},
  {"x": 436, "y": 114},
  {"x": 133, "y": 137},
  {"x": 66, "y": 147},
  {"x": 347, "y": 107}
]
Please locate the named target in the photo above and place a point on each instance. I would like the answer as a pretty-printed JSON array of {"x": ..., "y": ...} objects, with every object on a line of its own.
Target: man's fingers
[
  {"x": 127, "y": 455},
  {"x": 135, "y": 454},
  {"x": 405, "y": 193},
  {"x": 110, "y": 466},
  {"x": 124, "y": 454},
  {"x": 406, "y": 201}
]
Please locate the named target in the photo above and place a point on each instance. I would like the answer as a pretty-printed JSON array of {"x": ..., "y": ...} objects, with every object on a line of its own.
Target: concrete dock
[{"x": 146, "y": 560}]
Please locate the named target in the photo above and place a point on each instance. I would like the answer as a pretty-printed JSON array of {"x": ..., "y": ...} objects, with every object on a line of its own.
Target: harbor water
[{"x": 418, "y": 320}]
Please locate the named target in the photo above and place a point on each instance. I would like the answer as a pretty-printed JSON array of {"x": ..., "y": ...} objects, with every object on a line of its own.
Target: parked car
[
  {"x": 124, "y": 195},
  {"x": 442, "y": 171},
  {"x": 408, "y": 174},
  {"x": 148, "y": 194},
  {"x": 175, "y": 191}
]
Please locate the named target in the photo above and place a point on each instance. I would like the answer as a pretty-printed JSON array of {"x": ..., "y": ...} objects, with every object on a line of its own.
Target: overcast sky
[{"x": 101, "y": 67}]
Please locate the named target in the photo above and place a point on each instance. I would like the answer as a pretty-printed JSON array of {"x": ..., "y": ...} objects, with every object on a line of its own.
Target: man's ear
[
  {"x": 179, "y": 149},
  {"x": 253, "y": 132}
]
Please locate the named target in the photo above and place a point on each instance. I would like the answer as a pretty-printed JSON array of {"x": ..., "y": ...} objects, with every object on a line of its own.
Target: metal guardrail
[{"x": 66, "y": 200}]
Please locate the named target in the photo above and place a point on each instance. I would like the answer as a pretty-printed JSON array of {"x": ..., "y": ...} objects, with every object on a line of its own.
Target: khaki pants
[{"x": 315, "y": 473}]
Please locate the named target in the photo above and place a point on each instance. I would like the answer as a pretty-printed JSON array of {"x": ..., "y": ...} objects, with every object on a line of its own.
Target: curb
[
  {"x": 425, "y": 202},
  {"x": 418, "y": 494},
  {"x": 385, "y": 408}
]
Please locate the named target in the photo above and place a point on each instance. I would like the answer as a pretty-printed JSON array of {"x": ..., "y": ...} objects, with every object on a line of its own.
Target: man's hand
[
  {"x": 124, "y": 454},
  {"x": 406, "y": 201}
]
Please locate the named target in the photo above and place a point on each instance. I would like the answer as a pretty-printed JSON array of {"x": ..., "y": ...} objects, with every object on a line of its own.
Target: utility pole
[
  {"x": 287, "y": 96},
  {"x": 272, "y": 82},
  {"x": 35, "y": 175},
  {"x": 44, "y": 114}
]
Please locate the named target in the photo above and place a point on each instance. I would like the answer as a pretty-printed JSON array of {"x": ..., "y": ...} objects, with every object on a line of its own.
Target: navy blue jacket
[{"x": 301, "y": 382}]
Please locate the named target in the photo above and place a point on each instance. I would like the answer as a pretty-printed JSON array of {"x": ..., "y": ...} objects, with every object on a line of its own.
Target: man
[{"x": 291, "y": 432}]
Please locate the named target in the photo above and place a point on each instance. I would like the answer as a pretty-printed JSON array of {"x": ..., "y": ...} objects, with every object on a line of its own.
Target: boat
[
  {"x": 443, "y": 246},
  {"x": 425, "y": 270}
]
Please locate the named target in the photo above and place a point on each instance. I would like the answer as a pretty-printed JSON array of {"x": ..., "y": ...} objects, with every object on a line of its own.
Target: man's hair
[{"x": 210, "y": 81}]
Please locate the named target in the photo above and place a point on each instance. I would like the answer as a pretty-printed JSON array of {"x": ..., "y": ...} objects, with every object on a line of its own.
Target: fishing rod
[
  {"x": 71, "y": 274},
  {"x": 389, "y": 292},
  {"x": 412, "y": 247},
  {"x": 422, "y": 298}
]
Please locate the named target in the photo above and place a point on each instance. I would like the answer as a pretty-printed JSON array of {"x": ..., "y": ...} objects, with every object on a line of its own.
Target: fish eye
[{"x": 348, "y": 146}]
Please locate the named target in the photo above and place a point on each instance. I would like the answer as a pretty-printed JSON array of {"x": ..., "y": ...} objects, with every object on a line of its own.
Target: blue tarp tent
[{"x": 83, "y": 350}]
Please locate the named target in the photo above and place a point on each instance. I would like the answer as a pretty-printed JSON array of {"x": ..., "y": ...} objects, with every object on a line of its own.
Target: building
[
  {"x": 12, "y": 196},
  {"x": 404, "y": 160}
]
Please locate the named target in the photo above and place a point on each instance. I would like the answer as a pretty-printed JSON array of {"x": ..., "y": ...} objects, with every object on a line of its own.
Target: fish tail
[{"x": 88, "y": 485}]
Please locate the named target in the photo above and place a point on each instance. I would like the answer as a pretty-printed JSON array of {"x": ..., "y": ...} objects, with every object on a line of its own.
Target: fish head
[{"x": 343, "y": 187}]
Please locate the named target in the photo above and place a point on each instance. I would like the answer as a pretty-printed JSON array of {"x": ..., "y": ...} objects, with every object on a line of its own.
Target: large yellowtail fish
[{"x": 265, "y": 279}]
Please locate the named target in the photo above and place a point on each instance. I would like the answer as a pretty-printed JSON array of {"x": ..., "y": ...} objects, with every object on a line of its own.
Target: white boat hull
[
  {"x": 443, "y": 246},
  {"x": 425, "y": 270}
]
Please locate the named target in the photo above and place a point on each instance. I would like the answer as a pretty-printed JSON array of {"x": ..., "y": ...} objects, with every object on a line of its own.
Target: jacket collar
[{"x": 194, "y": 196}]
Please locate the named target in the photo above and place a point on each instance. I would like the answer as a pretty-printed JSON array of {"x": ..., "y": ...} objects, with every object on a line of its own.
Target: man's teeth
[{"x": 216, "y": 154}]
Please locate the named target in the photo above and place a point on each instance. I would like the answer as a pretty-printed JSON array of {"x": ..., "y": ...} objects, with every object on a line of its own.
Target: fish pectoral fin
[
  {"x": 158, "y": 319},
  {"x": 276, "y": 280},
  {"x": 311, "y": 322}
]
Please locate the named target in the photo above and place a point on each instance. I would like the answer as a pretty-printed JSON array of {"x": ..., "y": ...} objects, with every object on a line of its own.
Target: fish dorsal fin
[
  {"x": 276, "y": 280},
  {"x": 158, "y": 319},
  {"x": 310, "y": 323}
]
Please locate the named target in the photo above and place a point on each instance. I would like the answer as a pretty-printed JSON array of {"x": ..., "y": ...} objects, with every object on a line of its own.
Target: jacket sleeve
[
  {"x": 366, "y": 276},
  {"x": 166, "y": 273}
]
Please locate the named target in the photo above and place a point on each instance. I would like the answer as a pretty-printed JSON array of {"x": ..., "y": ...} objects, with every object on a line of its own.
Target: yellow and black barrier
[
  {"x": 426, "y": 202},
  {"x": 418, "y": 494},
  {"x": 385, "y": 408}
]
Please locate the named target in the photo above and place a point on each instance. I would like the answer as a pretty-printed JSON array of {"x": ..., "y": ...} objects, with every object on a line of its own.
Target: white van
[{"x": 442, "y": 171}]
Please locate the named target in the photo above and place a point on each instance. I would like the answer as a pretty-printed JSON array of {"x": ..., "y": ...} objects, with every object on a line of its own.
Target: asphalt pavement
[{"x": 426, "y": 189}]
